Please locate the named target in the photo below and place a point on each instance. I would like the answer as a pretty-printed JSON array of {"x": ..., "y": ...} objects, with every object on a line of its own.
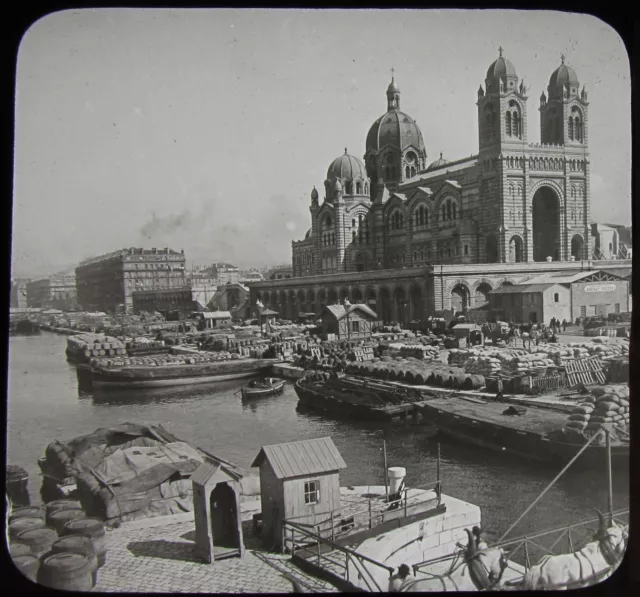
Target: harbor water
[{"x": 44, "y": 404}]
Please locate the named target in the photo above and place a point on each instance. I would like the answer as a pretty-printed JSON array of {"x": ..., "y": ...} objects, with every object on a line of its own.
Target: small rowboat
[{"x": 268, "y": 387}]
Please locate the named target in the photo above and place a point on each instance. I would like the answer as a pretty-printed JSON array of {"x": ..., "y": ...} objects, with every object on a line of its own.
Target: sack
[
  {"x": 582, "y": 409},
  {"x": 605, "y": 404},
  {"x": 597, "y": 392},
  {"x": 624, "y": 402},
  {"x": 617, "y": 418},
  {"x": 598, "y": 419},
  {"x": 578, "y": 417},
  {"x": 591, "y": 425},
  {"x": 588, "y": 400},
  {"x": 576, "y": 425}
]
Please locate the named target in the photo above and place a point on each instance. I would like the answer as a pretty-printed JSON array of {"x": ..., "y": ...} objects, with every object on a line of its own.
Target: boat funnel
[{"x": 396, "y": 477}]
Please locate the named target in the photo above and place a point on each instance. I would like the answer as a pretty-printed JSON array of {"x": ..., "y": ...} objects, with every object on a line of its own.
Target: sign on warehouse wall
[{"x": 600, "y": 288}]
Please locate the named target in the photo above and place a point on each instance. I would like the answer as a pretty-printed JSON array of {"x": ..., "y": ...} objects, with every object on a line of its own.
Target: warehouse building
[
  {"x": 530, "y": 303},
  {"x": 174, "y": 304},
  {"x": 55, "y": 292},
  {"x": 592, "y": 293}
]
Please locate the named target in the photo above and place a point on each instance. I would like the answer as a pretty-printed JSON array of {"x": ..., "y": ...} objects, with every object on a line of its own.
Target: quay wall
[{"x": 418, "y": 541}]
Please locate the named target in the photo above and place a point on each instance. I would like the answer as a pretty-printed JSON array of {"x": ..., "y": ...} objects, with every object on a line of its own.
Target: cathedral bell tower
[
  {"x": 502, "y": 108},
  {"x": 563, "y": 115}
]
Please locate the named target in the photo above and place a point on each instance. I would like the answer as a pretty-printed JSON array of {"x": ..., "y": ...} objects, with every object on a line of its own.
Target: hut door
[{"x": 224, "y": 519}]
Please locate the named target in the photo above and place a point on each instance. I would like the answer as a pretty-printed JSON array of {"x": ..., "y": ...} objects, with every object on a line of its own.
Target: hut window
[
  {"x": 311, "y": 492},
  {"x": 556, "y": 298},
  {"x": 355, "y": 326}
]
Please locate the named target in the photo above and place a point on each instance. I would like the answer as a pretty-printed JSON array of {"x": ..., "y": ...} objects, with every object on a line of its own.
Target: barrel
[
  {"x": 17, "y": 480},
  {"x": 28, "y": 564},
  {"x": 19, "y": 549},
  {"x": 39, "y": 540},
  {"x": 58, "y": 519},
  {"x": 79, "y": 544},
  {"x": 26, "y": 512},
  {"x": 23, "y": 524},
  {"x": 66, "y": 572},
  {"x": 66, "y": 504},
  {"x": 94, "y": 528}
]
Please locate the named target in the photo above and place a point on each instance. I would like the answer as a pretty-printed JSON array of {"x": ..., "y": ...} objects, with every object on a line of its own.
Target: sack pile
[
  {"x": 522, "y": 363},
  {"x": 483, "y": 365},
  {"x": 422, "y": 352},
  {"x": 608, "y": 404},
  {"x": 163, "y": 360}
]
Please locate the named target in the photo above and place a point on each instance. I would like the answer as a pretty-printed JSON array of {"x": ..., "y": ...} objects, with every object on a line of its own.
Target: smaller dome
[
  {"x": 314, "y": 194},
  {"x": 438, "y": 163},
  {"x": 347, "y": 167},
  {"x": 501, "y": 68},
  {"x": 337, "y": 185},
  {"x": 562, "y": 77},
  {"x": 393, "y": 87}
]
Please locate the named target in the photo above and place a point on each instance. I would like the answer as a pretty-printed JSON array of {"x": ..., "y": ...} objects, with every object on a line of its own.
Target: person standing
[
  {"x": 398, "y": 579},
  {"x": 564, "y": 326}
]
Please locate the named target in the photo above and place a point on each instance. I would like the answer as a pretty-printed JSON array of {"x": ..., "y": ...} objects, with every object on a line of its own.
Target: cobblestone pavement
[{"x": 161, "y": 559}]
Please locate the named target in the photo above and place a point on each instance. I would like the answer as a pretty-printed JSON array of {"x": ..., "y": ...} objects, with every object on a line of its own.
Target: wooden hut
[
  {"x": 347, "y": 322},
  {"x": 216, "y": 510},
  {"x": 298, "y": 481}
]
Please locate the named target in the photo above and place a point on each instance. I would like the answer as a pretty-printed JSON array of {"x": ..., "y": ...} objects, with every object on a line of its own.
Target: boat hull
[
  {"x": 258, "y": 393},
  {"x": 518, "y": 440},
  {"x": 154, "y": 377}
]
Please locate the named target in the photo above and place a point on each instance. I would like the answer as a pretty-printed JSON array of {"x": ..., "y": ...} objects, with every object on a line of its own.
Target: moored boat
[
  {"x": 268, "y": 387},
  {"x": 532, "y": 433},
  {"x": 171, "y": 374}
]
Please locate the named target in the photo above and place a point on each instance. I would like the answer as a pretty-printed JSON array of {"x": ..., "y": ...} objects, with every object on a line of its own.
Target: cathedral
[
  {"x": 431, "y": 235},
  {"x": 513, "y": 201}
]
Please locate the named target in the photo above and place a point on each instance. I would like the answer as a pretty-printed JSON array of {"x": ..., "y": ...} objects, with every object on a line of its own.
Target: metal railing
[{"x": 529, "y": 548}]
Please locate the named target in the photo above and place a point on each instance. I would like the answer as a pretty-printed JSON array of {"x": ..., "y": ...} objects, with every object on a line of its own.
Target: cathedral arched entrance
[
  {"x": 577, "y": 247},
  {"x": 400, "y": 305},
  {"x": 546, "y": 224},
  {"x": 416, "y": 303},
  {"x": 356, "y": 296},
  {"x": 482, "y": 294},
  {"x": 332, "y": 296},
  {"x": 344, "y": 294},
  {"x": 385, "y": 305},
  {"x": 322, "y": 299},
  {"x": 491, "y": 248},
  {"x": 515, "y": 249},
  {"x": 371, "y": 301},
  {"x": 302, "y": 301},
  {"x": 311, "y": 301},
  {"x": 459, "y": 298}
]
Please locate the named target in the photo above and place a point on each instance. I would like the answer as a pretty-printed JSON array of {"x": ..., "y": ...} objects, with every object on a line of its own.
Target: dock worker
[
  {"x": 399, "y": 578},
  {"x": 480, "y": 542},
  {"x": 564, "y": 325}
]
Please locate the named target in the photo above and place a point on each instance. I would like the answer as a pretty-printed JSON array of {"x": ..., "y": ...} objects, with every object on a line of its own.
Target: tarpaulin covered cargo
[{"x": 124, "y": 472}]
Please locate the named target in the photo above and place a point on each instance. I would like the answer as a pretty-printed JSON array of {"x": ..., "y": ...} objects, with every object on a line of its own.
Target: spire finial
[
  {"x": 345, "y": 151},
  {"x": 500, "y": 50},
  {"x": 562, "y": 57},
  {"x": 393, "y": 70},
  {"x": 440, "y": 155}
]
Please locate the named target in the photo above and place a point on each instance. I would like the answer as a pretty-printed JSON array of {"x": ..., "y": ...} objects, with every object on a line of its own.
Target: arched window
[
  {"x": 387, "y": 172},
  {"x": 449, "y": 209},
  {"x": 466, "y": 249},
  {"x": 413, "y": 172},
  {"x": 507, "y": 118},
  {"x": 358, "y": 188},
  {"x": 421, "y": 255},
  {"x": 444, "y": 212},
  {"x": 516, "y": 125},
  {"x": 454, "y": 211},
  {"x": 353, "y": 223},
  {"x": 426, "y": 217},
  {"x": 578, "y": 129},
  {"x": 571, "y": 128},
  {"x": 407, "y": 172},
  {"x": 353, "y": 236}
]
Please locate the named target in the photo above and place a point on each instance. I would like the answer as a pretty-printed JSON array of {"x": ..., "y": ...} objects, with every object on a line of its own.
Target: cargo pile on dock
[
  {"x": 418, "y": 351},
  {"x": 415, "y": 372},
  {"x": 163, "y": 360},
  {"x": 608, "y": 404},
  {"x": 83, "y": 347}
]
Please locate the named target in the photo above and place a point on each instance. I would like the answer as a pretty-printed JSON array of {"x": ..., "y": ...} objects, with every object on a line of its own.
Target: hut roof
[
  {"x": 306, "y": 457},
  {"x": 339, "y": 312},
  {"x": 208, "y": 469}
]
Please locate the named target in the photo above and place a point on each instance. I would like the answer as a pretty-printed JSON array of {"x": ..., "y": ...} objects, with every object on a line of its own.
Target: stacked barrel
[
  {"x": 162, "y": 360},
  {"x": 416, "y": 372},
  {"x": 87, "y": 346},
  {"x": 58, "y": 546}
]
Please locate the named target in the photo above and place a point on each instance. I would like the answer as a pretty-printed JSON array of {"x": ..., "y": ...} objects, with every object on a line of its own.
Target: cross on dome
[
  {"x": 345, "y": 151},
  {"x": 393, "y": 70},
  {"x": 500, "y": 50},
  {"x": 562, "y": 57}
]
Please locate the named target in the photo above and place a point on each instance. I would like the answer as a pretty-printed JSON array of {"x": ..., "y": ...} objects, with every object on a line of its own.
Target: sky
[{"x": 206, "y": 129}]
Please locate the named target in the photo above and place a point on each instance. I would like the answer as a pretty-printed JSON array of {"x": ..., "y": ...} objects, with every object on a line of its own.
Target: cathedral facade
[{"x": 513, "y": 201}]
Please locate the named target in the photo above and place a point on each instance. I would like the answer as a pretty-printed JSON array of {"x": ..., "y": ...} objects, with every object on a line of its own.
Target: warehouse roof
[
  {"x": 522, "y": 288},
  {"x": 306, "y": 457},
  {"x": 569, "y": 278},
  {"x": 216, "y": 314}
]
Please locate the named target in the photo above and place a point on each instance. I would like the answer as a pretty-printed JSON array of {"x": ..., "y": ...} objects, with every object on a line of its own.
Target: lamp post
[
  {"x": 347, "y": 304},
  {"x": 260, "y": 308}
]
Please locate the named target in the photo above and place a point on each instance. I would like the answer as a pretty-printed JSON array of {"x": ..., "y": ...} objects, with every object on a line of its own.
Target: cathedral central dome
[{"x": 395, "y": 129}]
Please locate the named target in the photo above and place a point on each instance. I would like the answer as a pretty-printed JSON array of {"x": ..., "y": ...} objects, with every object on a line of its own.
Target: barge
[
  {"x": 351, "y": 397},
  {"x": 177, "y": 374},
  {"x": 533, "y": 433}
]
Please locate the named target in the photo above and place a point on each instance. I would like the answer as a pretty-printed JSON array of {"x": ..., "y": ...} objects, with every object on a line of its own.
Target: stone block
[
  {"x": 430, "y": 541},
  {"x": 453, "y": 522},
  {"x": 444, "y": 537}
]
